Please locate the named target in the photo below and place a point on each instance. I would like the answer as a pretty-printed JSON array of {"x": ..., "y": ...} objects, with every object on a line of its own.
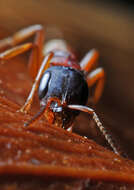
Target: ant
[{"x": 63, "y": 84}]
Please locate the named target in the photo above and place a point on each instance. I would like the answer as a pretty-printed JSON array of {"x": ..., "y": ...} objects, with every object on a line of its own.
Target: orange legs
[
  {"x": 43, "y": 67},
  {"x": 8, "y": 54},
  {"x": 20, "y": 49},
  {"x": 35, "y": 57},
  {"x": 36, "y": 54},
  {"x": 90, "y": 60},
  {"x": 96, "y": 76}
]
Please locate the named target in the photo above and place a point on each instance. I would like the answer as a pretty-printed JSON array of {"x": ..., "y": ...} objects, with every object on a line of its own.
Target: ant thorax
[{"x": 55, "y": 44}]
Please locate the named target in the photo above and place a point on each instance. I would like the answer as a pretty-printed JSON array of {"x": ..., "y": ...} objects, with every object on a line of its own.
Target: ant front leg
[
  {"x": 97, "y": 76},
  {"x": 36, "y": 56},
  {"x": 43, "y": 67},
  {"x": 20, "y": 49}
]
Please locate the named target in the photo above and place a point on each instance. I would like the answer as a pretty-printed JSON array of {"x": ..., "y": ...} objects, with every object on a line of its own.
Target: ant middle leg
[
  {"x": 96, "y": 76},
  {"x": 89, "y": 62},
  {"x": 36, "y": 56},
  {"x": 13, "y": 52}
]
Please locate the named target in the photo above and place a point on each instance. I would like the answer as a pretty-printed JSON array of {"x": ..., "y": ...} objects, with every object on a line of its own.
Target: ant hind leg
[{"x": 36, "y": 56}]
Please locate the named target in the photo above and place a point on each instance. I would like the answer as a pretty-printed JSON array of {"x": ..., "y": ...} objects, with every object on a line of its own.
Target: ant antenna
[
  {"x": 99, "y": 124},
  {"x": 35, "y": 117}
]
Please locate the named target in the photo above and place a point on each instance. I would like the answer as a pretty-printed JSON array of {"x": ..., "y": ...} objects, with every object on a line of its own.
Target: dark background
[{"x": 128, "y": 3}]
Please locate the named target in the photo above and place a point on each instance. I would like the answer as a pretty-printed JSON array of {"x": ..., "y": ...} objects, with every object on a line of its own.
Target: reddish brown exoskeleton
[{"x": 63, "y": 84}]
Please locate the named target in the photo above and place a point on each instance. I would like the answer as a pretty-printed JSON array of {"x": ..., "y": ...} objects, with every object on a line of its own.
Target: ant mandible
[{"x": 62, "y": 83}]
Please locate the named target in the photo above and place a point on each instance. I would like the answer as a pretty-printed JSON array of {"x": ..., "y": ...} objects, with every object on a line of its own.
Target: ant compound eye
[{"x": 43, "y": 87}]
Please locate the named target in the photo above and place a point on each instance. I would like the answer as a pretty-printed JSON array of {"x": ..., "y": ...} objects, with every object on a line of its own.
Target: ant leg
[
  {"x": 89, "y": 61},
  {"x": 18, "y": 50},
  {"x": 97, "y": 76},
  {"x": 43, "y": 67},
  {"x": 99, "y": 124},
  {"x": 36, "y": 54},
  {"x": 8, "y": 54}
]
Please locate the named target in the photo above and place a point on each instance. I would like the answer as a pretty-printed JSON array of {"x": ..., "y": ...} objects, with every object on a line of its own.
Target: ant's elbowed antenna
[
  {"x": 35, "y": 117},
  {"x": 99, "y": 124},
  {"x": 89, "y": 111}
]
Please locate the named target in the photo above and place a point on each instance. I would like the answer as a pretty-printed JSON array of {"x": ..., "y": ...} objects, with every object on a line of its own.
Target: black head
[{"x": 66, "y": 84}]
